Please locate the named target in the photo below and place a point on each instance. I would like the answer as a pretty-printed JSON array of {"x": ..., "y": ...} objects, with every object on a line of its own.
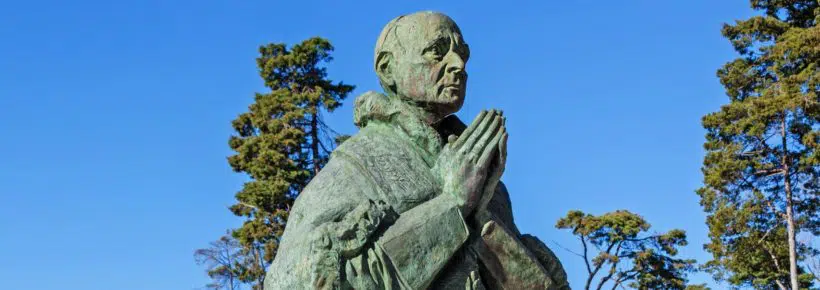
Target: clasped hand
[{"x": 470, "y": 166}]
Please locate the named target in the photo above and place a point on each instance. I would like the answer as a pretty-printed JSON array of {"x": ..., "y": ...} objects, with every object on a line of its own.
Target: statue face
[{"x": 431, "y": 69}]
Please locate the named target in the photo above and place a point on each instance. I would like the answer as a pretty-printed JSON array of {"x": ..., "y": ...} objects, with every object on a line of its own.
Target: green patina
[{"x": 414, "y": 200}]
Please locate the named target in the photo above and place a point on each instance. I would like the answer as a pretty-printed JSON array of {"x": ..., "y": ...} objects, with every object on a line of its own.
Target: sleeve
[
  {"x": 508, "y": 261},
  {"x": 423, "y": 240},
  {"x": 547, "y": 259},
  {"x": 348, "y": 238},
  {"x": 514, "y": 261}
]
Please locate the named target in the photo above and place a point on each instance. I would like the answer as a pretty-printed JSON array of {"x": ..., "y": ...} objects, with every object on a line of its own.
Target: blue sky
[{"x": 115, "y": 117}]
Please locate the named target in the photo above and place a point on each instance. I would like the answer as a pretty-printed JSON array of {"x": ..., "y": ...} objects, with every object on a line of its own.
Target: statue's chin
[
  {"x": 441, "y": 106},
  {"x": 444, "y": 107}
]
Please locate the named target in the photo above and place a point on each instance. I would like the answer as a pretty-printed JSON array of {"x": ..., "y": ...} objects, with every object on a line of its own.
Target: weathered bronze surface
[{"x": 414, "y": 200}]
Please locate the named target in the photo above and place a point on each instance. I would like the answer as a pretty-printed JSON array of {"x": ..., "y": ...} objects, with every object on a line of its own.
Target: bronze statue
[{"x": 414, "y": 201}]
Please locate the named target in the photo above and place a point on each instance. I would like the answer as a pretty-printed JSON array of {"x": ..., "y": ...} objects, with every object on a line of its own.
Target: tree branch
[
  {"x": 598, "y": 266},
  {"x": 611, "y": 269},
  {"x": 586, "y": 261},
  {"x": 624, "y": 278},
  {"x": 565, "y": 249}
]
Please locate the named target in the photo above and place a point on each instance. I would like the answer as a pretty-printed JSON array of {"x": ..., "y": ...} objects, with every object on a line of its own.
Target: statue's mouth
[{"x": 452, "y": 88}]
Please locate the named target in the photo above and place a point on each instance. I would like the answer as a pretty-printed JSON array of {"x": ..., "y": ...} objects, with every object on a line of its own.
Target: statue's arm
[
  {"x": 351, "y": 238},
  {"x": 423, "y": 240},
  {"x": 411, "y": 252},
  {"x": 505, "y": 252},
  {"x": 547, "y": 259}
]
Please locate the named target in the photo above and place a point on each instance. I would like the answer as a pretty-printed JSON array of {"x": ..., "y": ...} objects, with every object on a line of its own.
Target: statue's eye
[
  {"x": 465, "y": 51},
  {"x": 437, "y": 50}
]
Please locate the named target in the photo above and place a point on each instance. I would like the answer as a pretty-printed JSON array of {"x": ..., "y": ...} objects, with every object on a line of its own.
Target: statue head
[{"x": 421, "y": 58}]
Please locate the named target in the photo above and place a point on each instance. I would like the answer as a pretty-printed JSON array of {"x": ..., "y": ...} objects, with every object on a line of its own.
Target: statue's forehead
[{"x": 417, "y": 30}]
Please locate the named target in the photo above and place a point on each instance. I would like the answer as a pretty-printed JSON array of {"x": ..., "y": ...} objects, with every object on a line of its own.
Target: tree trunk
[
  {"x": 791, "y": 233},
  {"x": 789, "y": 208},
  {"x": 314, "y": 142}
]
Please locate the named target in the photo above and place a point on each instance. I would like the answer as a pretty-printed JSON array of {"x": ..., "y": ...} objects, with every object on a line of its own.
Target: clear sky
[{"x": 115, "y": 116}]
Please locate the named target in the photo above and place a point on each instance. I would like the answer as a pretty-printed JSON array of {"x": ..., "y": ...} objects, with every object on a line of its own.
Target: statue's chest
[{"x": 399, "y": 171}]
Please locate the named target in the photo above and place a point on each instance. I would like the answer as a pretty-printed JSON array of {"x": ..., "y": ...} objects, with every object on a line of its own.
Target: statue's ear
[{"x": 383, "y": 62}]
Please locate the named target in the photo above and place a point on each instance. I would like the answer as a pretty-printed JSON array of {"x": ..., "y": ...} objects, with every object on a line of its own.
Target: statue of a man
[{"x": 413, "y": 201}]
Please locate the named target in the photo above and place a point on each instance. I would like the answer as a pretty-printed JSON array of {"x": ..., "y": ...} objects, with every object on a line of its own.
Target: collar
[{"x": 373, "y": 106}]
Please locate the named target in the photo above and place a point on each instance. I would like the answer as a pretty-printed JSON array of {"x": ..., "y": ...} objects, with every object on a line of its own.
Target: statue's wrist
[{"x": 456, "y": 199}]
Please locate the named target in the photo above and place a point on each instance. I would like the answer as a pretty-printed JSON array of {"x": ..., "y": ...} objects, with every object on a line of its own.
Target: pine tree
[
  {"x": 281, "y": 143},
  {"x": 626, "y": 255},
  {"x": 761, "y": 166}
]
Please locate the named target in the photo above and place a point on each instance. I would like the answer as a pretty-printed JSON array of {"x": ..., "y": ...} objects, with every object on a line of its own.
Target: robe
[{"x": 375, "y": 218}]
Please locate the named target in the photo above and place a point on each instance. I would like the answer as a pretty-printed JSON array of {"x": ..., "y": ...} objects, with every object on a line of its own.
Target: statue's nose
[{"x": 455, "y": 64}]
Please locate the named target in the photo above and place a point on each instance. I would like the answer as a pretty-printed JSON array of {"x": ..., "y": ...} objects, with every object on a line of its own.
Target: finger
[
  {"x": 451, "y": 139},
  {"x": 488, "y": 135},
  {"x": 483, "y": 161},
  {"x": 475, "y": 128},
  {"x": 486, "y": 138},
  {"x": 502, "y": 144},
  {"x": 502, "y": 154},
  {"x": 466, "y": 134},
  {"x": 479, "y": 132},
  {"x": 502, "y": 147}
]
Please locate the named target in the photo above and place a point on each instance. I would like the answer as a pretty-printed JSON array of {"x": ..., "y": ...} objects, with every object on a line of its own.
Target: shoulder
[
  {"x": 376, "y": 146},
  {"x": 359, "y": 169},
  {"x": 392, "y": 163},
  {"x": 334, "y": 191}
]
